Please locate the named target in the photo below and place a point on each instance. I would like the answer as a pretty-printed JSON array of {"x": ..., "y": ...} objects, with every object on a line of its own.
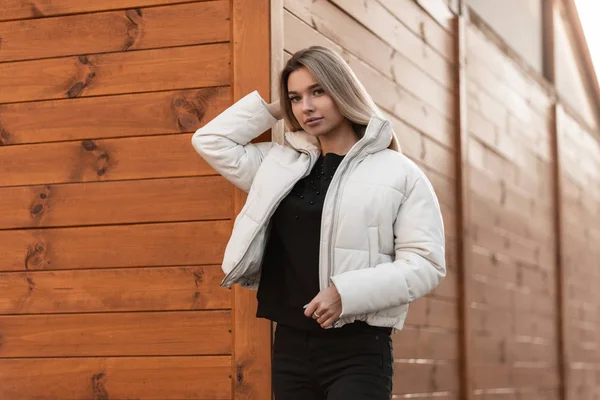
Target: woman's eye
[
  {"x": 292, "y": 99},
  {"x": 319, "y": 91}
]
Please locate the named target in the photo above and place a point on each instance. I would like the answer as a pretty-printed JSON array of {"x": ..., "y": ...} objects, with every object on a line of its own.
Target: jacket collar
[{"x": 377, "y": 137}]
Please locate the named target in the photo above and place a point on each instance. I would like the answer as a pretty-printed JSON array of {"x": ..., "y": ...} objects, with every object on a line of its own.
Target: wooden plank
[
  {"x": 115, "y": 31},
  {"x": 20, "y": 9},
  {"x": 394, "y": 66},
  {"x": 252, "y": 337},
  {"x": 425, "y": 377},
  {"x": 111, "y": 116},
  {"x": 564, "y": 336},
  {"x": 116, "y": 334},
  {"x": 441, "y": 12},
  {"x": 343, "y": 29},
  {"x": 134, "y": 289},
  {"x": 123, "y": 378},
  {"x": 196, "y": 243},
  {"x": 425, "y": 343},
  {"x": 415, "y": 22},
  {"x": 101, "y": 160},
  {"x": 465, "y": 219},
  {"x": 115, "y": 73},
  {"x": 155, "y": 200}
]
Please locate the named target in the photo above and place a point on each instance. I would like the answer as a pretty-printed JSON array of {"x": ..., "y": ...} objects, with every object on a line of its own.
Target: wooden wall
[
  {"x": 580, "y": 197},
  {"x": 513, "y": 278},
  {"x": 497, "y": 328},
  {"x": 406, "y": 60},
  {"x": 112, "y": 229}
]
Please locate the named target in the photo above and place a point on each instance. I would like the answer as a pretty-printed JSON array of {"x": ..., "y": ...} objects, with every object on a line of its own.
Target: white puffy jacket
[{"x": 382, "y": 235}]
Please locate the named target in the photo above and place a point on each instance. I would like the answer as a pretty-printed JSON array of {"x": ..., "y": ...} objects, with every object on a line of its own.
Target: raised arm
[{"x": 224, "y": 142}]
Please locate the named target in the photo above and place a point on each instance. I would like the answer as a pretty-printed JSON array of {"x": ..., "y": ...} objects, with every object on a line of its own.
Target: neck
[{"x": 339, "y": 140}]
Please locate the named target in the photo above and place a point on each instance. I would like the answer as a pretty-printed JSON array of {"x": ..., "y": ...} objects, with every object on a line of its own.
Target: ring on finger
[{"x": 316, "y": 315}]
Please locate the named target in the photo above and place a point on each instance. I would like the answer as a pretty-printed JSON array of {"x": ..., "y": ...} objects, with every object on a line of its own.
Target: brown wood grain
[
  {"x": 25, "y": 9},
  {"x": 115, "y": 31},
  {"x": 123, "y": 378},
  {"x": 116, "y": 73},
  {"x": 132, "y": 289},
  {"x": 190, "y": 243},
  {"x": 359, "y": 44},
  {"x": 101, "y": 160},
  {"x": 154, "y": 200},
  {"x": 111, "y": 116},
  {"x": 427, "y": 377},
  {"x": 251, "y": 70},
  {"x": 116, "y": 334},
  {"x": 348, "y": 32},
  {"x": 403, "y": 21}
]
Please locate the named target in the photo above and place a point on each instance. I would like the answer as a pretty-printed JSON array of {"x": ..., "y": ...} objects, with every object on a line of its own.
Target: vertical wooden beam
[
  {"x": 251, "y": 70},
  {"x": 464, "y": 203},
  {"x": 277, "y": 61},
  {"x": 563, "y": 360},
  {"x": 562, "y": 319}
]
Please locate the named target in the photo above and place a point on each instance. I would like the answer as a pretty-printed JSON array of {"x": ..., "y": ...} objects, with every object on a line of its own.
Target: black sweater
[{"x": 290, "y": 270}]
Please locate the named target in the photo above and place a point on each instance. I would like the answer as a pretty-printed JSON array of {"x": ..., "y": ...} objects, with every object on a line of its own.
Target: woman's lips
[{"x": 314, "y": 122}]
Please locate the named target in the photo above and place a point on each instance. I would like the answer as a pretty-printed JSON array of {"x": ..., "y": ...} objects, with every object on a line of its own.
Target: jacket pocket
[{"x": 373, "y": 246}]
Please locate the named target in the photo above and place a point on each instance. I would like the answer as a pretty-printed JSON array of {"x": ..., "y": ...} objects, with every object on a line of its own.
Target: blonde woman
[{"x": 339, "y": 233}]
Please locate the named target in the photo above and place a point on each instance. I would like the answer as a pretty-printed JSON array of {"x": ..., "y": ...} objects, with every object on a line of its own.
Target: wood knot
[
  {"x": 89, "y": 145},
  {"x": 4, "y": 136},
  {"x": 35, "y": 210},
  {"x": 198, "y": 277},
  {"x": 239, "y": 374},
  {"x": 98, "y": 389},
  {"x": 134, "y": 27},
  {"x": 34, "y": 255}
]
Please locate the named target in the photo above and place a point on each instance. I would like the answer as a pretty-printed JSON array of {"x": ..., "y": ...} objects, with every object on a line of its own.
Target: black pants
[{"x": 350, "y": 363}]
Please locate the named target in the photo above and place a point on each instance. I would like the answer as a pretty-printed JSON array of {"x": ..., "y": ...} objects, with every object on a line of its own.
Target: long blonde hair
[{"x": 339, "y": 81}]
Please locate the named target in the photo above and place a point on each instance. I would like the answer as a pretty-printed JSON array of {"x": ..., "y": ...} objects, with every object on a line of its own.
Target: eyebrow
[{"x": 310, "y": 87}]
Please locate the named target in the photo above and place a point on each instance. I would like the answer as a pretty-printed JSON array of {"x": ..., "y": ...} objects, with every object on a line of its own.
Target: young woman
[{"x": 339, "y": 232}]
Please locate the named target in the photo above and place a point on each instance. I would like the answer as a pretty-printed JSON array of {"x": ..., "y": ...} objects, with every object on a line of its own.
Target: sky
[{"x": 589, "y": 13}]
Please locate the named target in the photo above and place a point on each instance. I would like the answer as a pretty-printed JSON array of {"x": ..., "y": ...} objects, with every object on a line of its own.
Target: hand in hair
[{"x": 275, "y": 109}]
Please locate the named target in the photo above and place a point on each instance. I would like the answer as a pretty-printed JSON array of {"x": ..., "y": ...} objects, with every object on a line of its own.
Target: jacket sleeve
[
  {"x": 419, "y": 265},
  {"x": 224, "y": 142}
]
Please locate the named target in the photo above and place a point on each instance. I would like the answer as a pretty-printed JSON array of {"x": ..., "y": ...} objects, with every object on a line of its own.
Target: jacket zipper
[
  {"x": 343, "y": 178},
  {"x": 268, "y": 215}
]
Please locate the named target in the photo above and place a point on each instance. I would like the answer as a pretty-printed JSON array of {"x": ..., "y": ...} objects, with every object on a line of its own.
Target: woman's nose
[{"x": 307, "y": 104}]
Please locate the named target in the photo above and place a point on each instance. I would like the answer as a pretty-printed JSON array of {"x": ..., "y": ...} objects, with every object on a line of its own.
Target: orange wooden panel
[
  {"x": 101, "y": 160},
  {"x": 111, "y": 116},
  {"x": 116, "y": 334},
  {"x": 19, "y": 9},
  {"x": 251, "y": 70},
  {"x": 114, "y": 73},
  {"x": 133, "y": 289},
  {"x": 123, "y": 378},
  {"x": 188, "y": 243},
  {"x": 179, "y": 199},
  {"x": 115, "y": 31}
]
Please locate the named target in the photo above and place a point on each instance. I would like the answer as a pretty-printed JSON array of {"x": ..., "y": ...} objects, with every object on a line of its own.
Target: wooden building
[{"x": 112, "y": 228}]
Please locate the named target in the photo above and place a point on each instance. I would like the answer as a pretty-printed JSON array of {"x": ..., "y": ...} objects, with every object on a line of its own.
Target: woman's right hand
[{"x": 275, "y": 109}]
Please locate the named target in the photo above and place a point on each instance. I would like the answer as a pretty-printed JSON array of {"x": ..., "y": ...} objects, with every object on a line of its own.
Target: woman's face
[{"x": 310, "y": 103}]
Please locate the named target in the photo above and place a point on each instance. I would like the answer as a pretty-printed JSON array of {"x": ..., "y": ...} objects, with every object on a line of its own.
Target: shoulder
[{"x": 393, "y": 169}]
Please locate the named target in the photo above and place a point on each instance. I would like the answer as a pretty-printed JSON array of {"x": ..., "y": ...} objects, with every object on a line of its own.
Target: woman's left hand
[{"x": 326, "y": 307}]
